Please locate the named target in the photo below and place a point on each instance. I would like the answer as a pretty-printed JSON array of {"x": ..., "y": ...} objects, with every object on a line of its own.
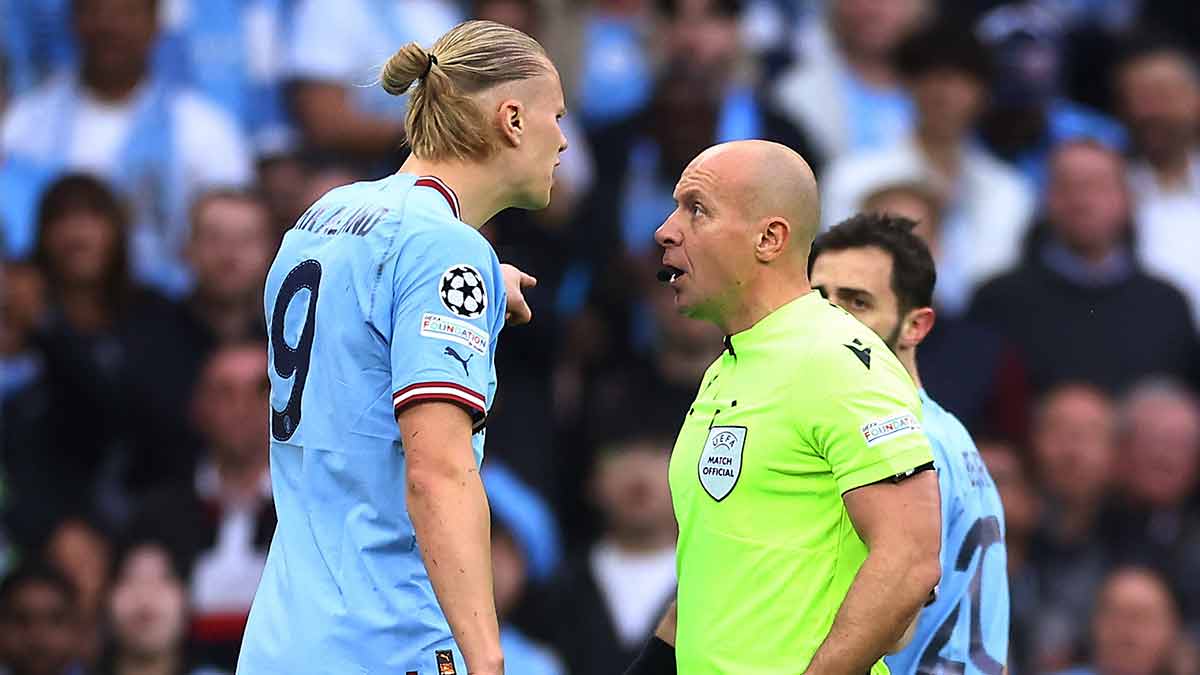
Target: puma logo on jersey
[{"x": 455, "y": 355}]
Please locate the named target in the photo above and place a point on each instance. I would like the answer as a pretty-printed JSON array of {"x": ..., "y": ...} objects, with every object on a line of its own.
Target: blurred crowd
[{"x": 154, "y": 152}]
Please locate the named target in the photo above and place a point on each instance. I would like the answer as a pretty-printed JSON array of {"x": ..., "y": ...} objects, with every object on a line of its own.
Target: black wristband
[{"x": 657, "y": 658}]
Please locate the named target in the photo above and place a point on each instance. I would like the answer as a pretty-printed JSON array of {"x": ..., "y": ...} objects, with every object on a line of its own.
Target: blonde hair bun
[{"x": 406, "y": 66}]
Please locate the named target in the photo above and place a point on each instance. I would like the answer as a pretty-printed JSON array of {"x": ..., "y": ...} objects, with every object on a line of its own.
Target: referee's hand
[{"x": 515, "y": 282}]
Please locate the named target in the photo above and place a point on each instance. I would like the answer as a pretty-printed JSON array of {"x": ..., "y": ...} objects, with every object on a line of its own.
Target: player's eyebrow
[{"x": 850, "y": 292}]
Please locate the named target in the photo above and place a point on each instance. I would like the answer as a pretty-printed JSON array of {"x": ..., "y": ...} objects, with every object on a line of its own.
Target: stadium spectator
[
  {"x": 157, "y": 141},
  {"x": 229, "y": 247},
  {"x": 87, "y": 336},
  {"x": 84, "y": 555},
  {"x": 336, "y": 109},
  {"x": 969, "y": 369},
  {"x": 988, "y": 205},
  {"x": 704, "y": 95},
  {"x": 1157, "y": 522},
  {"x": 220, "y": 523},
  {"x": 1080, "y": 307},
  {"x": 603, "y": 617},
  {"x": 1159, "y": 93},
  {"x": 1010, "y": 471},
  {"x": 1029, "y": 116},
  {"x": 1074, "y": 443},
  {"x": 229, "y": 250},
  {"x": 38, "y": 622},
  {"x": 148, "y": 611},
  {"x": 846, "y": 93},
  {"x": 1135, "y": 627}
]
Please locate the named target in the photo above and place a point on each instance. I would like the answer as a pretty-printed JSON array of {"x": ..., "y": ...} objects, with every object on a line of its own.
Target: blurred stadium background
[{"x": 153, "y": 152}]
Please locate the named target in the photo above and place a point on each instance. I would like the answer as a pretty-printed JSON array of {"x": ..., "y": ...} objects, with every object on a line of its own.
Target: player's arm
[
  {"x": 900, "y": 522},
  {"x": 658, "y": 656},
  {"x": 450, "y": 515}
]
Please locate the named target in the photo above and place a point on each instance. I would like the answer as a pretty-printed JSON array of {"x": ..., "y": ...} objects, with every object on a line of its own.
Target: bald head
[
  {"x": 767, "y": 180},
  {"x": 736, "y": 246}
]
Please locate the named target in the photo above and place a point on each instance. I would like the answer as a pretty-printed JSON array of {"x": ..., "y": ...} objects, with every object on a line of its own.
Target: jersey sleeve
[
  {"x": 447, "y": 291},
  {"x": 867, "y": 423}
]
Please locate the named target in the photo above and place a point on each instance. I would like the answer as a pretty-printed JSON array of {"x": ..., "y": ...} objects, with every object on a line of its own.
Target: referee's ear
[
  {"x": 774, "y": 238},
  {"x": 916, "y": 324}
]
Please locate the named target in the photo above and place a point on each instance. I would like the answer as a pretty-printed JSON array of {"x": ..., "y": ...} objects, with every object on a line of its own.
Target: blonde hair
[{"x": 443, "y": 121}]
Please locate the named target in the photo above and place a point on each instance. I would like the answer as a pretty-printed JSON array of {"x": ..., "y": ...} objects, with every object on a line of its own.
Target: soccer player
[
  {"x": 383, "y": 309},
  {"x": 878, "y": 270},
  {"x": 808, "y": 522}
]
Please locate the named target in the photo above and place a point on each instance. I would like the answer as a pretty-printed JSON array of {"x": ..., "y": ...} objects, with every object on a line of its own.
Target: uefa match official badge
[{"x": 721, "y": 461}]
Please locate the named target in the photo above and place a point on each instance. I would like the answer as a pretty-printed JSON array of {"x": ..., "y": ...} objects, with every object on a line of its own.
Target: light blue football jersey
[
  {"x": 966, "y": 629},
  {"x": 379, "y": 297}
]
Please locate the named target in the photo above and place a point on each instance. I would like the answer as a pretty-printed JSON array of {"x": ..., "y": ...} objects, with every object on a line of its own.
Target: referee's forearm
[{"x": 890, "y": 588}]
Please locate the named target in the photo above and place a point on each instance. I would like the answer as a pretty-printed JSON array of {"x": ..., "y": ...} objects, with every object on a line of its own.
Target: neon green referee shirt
[{"x": 799, "y": 409}]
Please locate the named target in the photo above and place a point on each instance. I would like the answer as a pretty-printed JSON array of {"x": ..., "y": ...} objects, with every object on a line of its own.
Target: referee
[{"x": 808, "y": 524}]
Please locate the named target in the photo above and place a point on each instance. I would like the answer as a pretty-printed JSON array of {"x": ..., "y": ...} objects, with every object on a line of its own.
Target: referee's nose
[{"x": 668, "y": 234}]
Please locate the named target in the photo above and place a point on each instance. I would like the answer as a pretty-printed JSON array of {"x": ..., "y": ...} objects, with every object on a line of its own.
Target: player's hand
[{"x": 515, "y": 282}]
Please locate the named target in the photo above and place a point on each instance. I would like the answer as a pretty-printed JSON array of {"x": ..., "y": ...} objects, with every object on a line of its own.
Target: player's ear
[
  {"x": 917, "y": 324},
  {"x": 772, "y": 239},
  {"x": 511, "y": 118}
]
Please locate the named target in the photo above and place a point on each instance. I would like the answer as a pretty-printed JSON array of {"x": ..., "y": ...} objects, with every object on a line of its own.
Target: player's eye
[
  {"x": 697, "y": 209},
  {"x": 860, "y": 303}
]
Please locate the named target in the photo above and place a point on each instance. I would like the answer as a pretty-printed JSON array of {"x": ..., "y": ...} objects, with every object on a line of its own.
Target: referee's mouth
[{"x": 670, "y": 274}]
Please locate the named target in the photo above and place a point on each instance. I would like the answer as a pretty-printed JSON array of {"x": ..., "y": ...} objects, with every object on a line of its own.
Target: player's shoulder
[{"x": 435, "y": 238}]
